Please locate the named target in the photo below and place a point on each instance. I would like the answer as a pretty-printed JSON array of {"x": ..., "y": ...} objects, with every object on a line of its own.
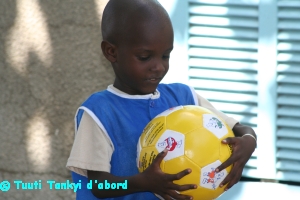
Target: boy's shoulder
[
  {"x": 173, "y": 86},
  {"x": 181, "y": 93},
  {"x": 96, "y": 96}
]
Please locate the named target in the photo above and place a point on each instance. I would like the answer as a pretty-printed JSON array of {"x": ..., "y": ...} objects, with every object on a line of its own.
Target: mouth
[{"x": 154, "y": 79}]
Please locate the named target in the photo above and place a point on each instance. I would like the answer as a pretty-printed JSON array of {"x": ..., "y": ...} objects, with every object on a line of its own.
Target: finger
[
  {"x": 225, "y": 164},
  {"x": 229, "y": 140},
  {"x": 232, "y": 173},
  {"x": 232, "y": 178},
  {"x": 230, "y": 184},
  {"x": 185, "y": 187},
  {"x": 160, "y": 157},
  {"x": 176, "y": 195},
  {"x": 179, "y": 175},
  {"x": 231, "y": 159},
  {"x": 164, "y": 197}
]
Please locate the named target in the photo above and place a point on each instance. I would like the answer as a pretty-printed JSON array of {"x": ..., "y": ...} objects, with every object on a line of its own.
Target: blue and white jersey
[{"x": 123, "y": 118}]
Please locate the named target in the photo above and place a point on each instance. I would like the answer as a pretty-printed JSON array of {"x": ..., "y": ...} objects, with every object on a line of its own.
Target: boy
[{"x": 138, "y": 40}]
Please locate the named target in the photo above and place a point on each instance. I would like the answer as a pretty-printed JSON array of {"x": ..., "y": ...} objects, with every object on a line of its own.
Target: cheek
[
  {"x": 166, "y": 65},
  {"x": 167, "y": 69},
  {"x": 134, "y": 72}
]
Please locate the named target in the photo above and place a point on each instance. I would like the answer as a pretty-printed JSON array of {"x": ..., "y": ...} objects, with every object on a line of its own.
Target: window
[{"x": 244, "y": 56}]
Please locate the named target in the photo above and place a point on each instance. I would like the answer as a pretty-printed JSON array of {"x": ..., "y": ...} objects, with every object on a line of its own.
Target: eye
[
  {"x": 143, "y": 58},
  {"x": 166, "y": 56}
]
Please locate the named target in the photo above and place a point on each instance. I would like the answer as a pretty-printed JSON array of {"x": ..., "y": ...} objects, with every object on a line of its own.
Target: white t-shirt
[{"x": 92, "y": 148}]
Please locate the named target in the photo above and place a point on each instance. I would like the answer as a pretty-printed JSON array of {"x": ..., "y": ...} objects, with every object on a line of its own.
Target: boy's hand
[
  {"x": 161, "y": 183},
  {"x": 242, "y": 149}
]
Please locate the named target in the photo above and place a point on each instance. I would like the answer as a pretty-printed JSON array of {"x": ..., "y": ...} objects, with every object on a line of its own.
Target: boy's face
[{"x": 143, "y": 58}]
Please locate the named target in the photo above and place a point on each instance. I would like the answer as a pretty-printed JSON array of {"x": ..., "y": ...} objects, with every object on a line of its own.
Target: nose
[{"x": 159, "y": 65}]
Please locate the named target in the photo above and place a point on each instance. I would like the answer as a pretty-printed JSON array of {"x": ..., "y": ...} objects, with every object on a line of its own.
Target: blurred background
[
  {"x": 244, "y": 56},
  {"x": 50, "y": 61}
]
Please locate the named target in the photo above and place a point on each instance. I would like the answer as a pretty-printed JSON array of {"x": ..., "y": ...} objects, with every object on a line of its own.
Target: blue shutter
[
  {"x": 223, "y": 54},
  {"x": 288, "y": 91},
  {"x": 244, "y": 57}
]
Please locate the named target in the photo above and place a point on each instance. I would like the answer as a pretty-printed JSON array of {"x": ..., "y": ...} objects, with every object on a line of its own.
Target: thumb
[{"x": 229, "y": 140}]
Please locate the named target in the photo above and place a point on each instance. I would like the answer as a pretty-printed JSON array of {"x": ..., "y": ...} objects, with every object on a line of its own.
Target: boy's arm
[
  {"x": 152, "y": 180},
  {"x": 243, "y": 145},
  {"x": 86, "y": 148},
  {"x": 92, "y": 148}
]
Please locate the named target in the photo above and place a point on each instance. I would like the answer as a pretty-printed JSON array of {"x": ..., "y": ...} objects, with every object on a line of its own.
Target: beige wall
[{"x": 50, "y": 61}]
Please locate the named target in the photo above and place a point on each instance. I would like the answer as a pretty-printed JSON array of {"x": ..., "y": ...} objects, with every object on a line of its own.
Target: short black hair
[{"x": 120, "y": 15}]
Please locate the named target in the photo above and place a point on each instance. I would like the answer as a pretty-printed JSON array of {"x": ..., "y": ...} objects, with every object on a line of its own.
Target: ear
[{"x": 109, "y": 51}]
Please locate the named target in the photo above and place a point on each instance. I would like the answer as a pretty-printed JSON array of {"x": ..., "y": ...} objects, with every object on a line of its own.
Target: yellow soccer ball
[{"x": 193, "y": 137}]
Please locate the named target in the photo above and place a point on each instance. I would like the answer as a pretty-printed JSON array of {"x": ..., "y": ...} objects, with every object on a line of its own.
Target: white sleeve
[
  {"x": 206, "y": 104},
  {"x": 91, "y": 150}
]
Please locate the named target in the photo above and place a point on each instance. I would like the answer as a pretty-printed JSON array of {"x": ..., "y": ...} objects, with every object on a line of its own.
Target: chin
[
  {"x": 144, "y": 88},
  {"x": 147, "y": 90}
]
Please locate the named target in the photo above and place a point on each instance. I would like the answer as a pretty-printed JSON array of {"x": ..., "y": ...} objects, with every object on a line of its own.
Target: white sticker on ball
[
  {"x": 214, "y": 125},
  {"x": 173, "y": 141},
  {"x": 209, "y": 178}
]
